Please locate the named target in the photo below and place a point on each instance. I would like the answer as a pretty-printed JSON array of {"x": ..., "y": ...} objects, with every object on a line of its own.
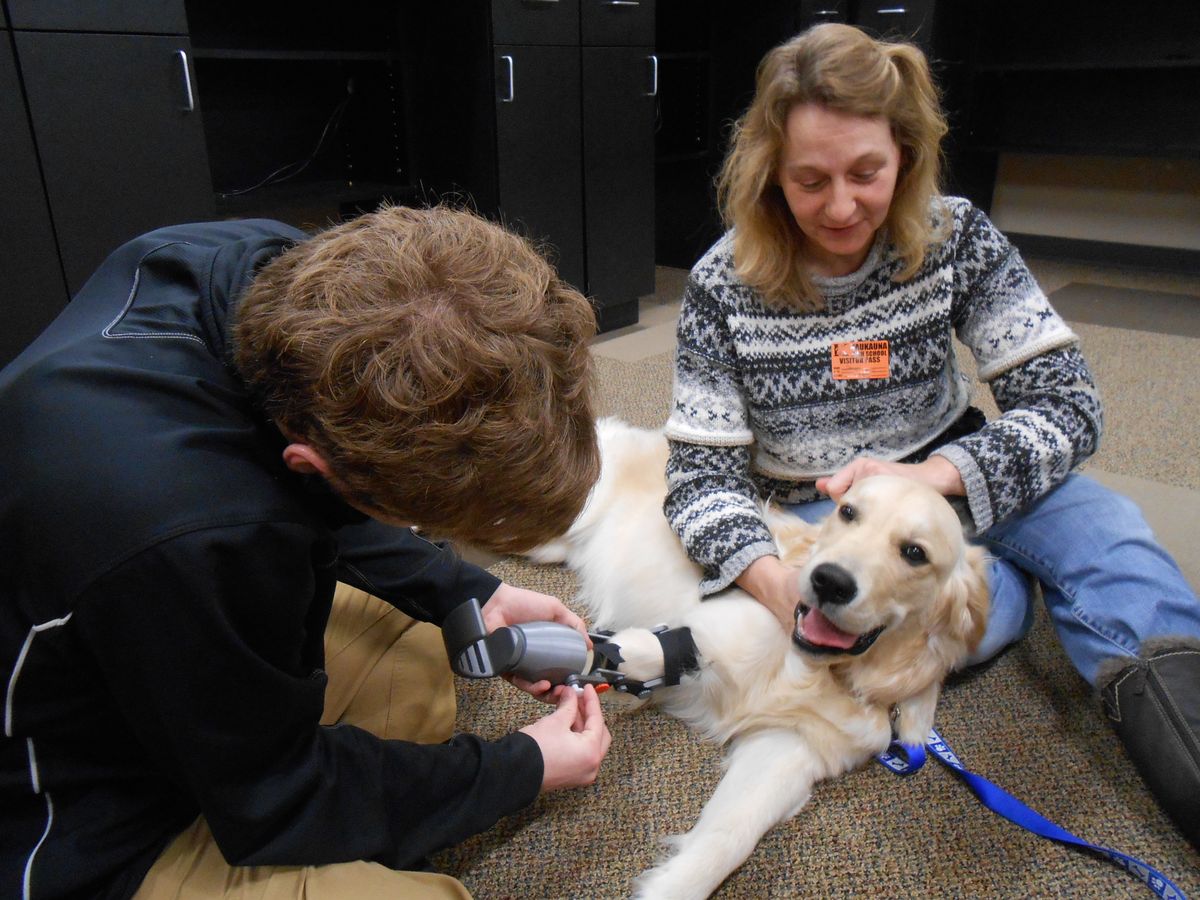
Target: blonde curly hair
[
  {"x": 843, "y": 69},
  {"x": 439, "y": 366}
]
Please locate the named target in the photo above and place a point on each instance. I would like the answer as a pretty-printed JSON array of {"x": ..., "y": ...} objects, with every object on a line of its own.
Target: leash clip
[{"x": 903, "y": 759}]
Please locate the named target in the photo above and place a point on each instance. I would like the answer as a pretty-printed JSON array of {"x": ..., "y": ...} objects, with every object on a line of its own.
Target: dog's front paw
[
  {"x": 642, "y": 654},
  {"x": 914, "y": 716},
  {"x": 667, "y": 882},
  {"x": 650, "y": 886}
]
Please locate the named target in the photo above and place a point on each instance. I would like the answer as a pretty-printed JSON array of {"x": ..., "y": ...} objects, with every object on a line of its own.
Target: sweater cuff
[
  {"x": 735, "y": 565},
  {"x": 978, "y": 500}
]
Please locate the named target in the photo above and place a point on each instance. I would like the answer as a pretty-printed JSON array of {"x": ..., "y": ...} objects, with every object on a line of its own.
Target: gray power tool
[
  {"x": 532, "y": 650},
  {"x": 536, "y": 651}
]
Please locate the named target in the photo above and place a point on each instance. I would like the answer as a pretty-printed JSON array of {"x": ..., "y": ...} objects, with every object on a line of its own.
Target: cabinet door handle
[
  {"x": 512, "y": 89},
  {"x": 622, "y": 3},
  {"x": 892, "y": 11},
  {"x": 653, "y": 76},
  {"x": 189, "y": 103}
]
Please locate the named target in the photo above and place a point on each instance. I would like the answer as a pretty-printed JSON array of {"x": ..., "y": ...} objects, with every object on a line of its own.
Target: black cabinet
[
  {"x": 119, "y": 137},
  {"x": 102, "y": 141},
  {"x": 575, "y": 92},
  {"x": 536, "y": 113},
  {"x": 535, "y": 22},
  {"x": 618, "y": 140},
  {"x": 539, "y": 155},
  {"x": 32, "y": 289},
  {"x": 114, "y": 16},
  {"x": 120, "y": 116},
  {"x": 564, "y": 151},
  {"x": 620, "y": 104}
]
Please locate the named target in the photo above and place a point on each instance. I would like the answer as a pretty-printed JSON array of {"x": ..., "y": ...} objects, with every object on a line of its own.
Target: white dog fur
[{"x": 790, "y": 717}]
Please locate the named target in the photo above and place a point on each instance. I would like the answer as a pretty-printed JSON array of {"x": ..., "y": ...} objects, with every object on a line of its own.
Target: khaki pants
[{"x": 388, "y": 674}]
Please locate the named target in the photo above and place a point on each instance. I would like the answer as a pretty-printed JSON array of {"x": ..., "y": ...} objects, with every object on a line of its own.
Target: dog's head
[{"x": 891, "y": 591}]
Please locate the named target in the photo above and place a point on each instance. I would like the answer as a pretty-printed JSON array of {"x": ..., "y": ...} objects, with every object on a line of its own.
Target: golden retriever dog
[{"x": 893, "y": 599}]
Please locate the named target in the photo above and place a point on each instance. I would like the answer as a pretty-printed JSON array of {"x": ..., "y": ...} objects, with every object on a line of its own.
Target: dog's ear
[{"x": 965, "y": 601}]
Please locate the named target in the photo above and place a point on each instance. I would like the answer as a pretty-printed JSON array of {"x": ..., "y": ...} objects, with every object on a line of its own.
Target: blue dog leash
[{"x": 904, "y": 759}]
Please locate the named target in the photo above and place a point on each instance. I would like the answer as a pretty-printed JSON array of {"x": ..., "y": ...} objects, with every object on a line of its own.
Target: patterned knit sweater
[{"x": 758, "y": 412}]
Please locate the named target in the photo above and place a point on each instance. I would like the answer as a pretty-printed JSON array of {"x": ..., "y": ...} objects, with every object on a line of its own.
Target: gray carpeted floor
[{"x": 1028, "y": 723}]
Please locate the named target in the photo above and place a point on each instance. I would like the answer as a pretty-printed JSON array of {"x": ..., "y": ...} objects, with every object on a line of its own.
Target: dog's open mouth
[{"x": 814, "y": 633}]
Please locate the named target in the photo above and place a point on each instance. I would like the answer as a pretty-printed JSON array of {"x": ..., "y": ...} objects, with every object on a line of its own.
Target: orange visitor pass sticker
[{"x": 860, "y": 359}]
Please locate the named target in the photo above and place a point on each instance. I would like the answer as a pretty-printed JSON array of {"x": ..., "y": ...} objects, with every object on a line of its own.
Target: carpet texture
[{"x": 1028, "y": 723}]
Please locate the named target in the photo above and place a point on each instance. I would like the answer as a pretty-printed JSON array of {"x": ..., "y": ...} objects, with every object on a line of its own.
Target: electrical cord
[{"x": 282, "y": 173}]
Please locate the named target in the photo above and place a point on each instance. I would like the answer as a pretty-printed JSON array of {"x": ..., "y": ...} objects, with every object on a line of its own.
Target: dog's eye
[
  {"x": 847, "y": 512},
  {"x": 913, "y": 554}
]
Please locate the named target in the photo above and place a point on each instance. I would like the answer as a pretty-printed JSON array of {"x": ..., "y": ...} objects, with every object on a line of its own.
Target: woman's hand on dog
[
  {"x": 936, "y": 471},
  {"x": 775, "y": 585},
  {"x": 573, "y": 739},
  {"x": 511, "y": 605}
]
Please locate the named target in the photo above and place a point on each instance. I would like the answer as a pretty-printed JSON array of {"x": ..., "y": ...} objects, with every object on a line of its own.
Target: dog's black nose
[{"x": 833, "y": 584}]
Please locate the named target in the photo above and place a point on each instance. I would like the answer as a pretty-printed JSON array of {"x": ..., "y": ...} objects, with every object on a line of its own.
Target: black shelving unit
[
  {"x": 1080, "y": 77},
  {"x": 122, "y": 116},
  {"x": 542, "y": 115},
  {"x": 303, "y": 115}
]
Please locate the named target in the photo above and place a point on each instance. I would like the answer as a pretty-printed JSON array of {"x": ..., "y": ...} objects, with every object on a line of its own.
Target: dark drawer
[
  {"x": 617, "y": 23},
  {"x": 535, "y": 21},
  {"x": 131, "y": 16}
]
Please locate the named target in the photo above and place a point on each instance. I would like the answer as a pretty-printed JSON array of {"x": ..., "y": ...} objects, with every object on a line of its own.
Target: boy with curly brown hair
[{"x": 217, "y": 623}]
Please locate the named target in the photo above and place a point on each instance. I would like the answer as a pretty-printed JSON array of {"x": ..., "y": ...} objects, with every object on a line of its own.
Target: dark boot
[{"x": 1154, "y": 704}]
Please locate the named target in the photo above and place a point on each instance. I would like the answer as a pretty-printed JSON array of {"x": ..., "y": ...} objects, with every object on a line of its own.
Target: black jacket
[{"x": 164, "y": 587}]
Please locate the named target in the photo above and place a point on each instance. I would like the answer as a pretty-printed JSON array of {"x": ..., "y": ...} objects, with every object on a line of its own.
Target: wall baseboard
[{"x": 1139, "y": 256}]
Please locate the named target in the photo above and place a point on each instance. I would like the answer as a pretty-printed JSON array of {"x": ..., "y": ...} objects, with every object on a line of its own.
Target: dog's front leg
[
  {"x": 768, "y": 777},
  {"x": 916, "y": 716}
]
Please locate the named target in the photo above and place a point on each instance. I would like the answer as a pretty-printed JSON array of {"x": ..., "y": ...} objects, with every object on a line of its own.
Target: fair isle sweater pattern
[{"x": 756, "y": 411}]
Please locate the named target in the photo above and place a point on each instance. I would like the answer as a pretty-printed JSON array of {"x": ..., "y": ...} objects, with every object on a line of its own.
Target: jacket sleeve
[
  {"x": 711, "y": 501},
  {"x": 423, "y": 578},
  {"x": 202, "y": 640},
  {"x": 1051, "y": 417}
]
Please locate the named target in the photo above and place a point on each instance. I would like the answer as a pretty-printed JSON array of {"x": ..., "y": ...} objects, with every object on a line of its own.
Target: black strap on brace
[{"x": 679, "y": 653}]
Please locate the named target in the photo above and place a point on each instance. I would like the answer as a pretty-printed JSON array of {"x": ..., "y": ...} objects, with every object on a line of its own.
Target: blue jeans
[{"x": 1106, "y": 582}]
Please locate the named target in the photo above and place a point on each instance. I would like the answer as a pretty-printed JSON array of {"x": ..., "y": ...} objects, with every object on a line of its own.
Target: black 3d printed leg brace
[{"x": 678, "y": 652}]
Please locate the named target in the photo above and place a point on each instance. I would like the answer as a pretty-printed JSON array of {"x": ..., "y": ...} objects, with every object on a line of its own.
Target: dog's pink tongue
[{"x": 816, "y": 629}]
